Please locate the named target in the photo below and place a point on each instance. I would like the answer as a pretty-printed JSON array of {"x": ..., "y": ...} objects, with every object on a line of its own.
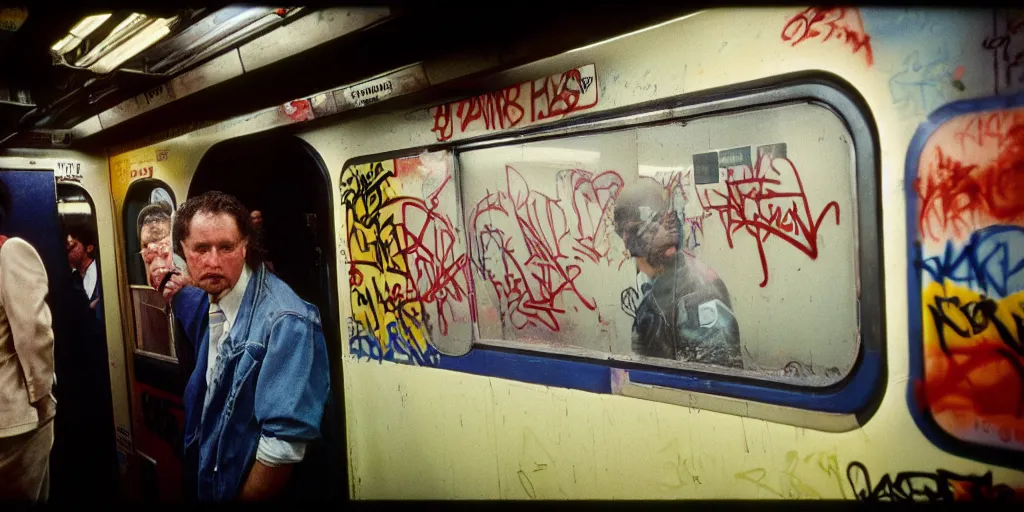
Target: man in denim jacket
[{"x": 261, "y": 381}]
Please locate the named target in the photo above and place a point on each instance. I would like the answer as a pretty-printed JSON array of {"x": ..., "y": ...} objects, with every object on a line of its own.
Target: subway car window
[
  {"x": 967, "y": 252},
  {"x": 683, "y": 245},
  {"x": 78, "y": 219},
  {"x": 149, "y": 205}
]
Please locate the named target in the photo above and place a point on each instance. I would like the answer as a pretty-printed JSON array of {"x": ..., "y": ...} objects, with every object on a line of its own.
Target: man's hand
[
  {"x": 46, "y": 407},
  {"x": 174, "y": 285},
  {"x": 264, "y": 482}
]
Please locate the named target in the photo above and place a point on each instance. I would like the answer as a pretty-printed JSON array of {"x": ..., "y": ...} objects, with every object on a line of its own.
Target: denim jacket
[{"x": 275, "y": 382}]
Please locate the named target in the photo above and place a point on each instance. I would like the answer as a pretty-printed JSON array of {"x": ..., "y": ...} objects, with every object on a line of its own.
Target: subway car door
[
  {"x": 83, "y": 461},
  {"x": 157, "y": 377},
  {"x": 284, "y": 179}
]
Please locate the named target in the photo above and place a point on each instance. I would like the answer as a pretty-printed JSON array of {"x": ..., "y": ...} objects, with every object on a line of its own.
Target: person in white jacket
[{"x": 27, "y": 406}]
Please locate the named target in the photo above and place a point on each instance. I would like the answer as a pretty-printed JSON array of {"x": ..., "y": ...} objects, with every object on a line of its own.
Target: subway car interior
[{"x": 511, "y": 252}]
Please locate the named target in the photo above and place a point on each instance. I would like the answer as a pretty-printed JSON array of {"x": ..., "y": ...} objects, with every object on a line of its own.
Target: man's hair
[
  {"x": 5, "y": 203},
  {"x": 215, "y": 202},
  {"x": 158, "y": 212},
  {"x": 84, "y": 234}
]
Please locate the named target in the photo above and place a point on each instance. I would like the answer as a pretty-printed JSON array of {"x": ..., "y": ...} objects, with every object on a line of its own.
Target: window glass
[
  {"x": 148, "y": 210},
  {"x": 726, "y": 244},
  {"x": 78, "y": 220},
  {"x": 149, "y": 206}
]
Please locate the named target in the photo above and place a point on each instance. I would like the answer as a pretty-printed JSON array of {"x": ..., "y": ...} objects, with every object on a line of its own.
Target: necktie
[{"x": 217, "y": 319}]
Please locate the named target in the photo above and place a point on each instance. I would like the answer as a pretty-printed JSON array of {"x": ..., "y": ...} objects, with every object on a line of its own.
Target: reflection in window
[
  {"x": 710, "y": 245},
  {"x": 78, "y": 221},
  {"x": 152, "y": 322},
  {"x": 149, "y": 207}
]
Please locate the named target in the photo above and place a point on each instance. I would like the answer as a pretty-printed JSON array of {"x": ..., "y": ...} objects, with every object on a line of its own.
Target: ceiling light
[
  {"x": 79, "y": 32},
  {"x": 137, "y": 43},
  {"x": 88, "y": 25},
  {"x": 124, "y": 30}
]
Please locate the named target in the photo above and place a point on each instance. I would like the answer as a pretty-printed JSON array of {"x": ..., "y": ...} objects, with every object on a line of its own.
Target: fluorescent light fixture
[
  {"x": 122, "y": 32},
  {"x": 136, "y": 44},
  {"x": 66, "y": 43},
  {"x": 223, "y": 39},
  {"x": 200, "y": 35},
  {"x": 88, "y": 25},
  {"x": 635, "y": 32},
  {"x": 79, "y": 32}
]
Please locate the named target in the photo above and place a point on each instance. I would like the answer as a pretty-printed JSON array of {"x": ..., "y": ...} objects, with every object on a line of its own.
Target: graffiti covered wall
[{"x": 407, "y": 264}]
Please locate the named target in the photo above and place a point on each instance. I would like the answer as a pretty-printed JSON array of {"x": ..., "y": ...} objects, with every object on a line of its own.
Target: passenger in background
[
  {"x": 261, "y": 382},
  {"x": 81, "y": 245},
  {"x": 27, "y": 406},
  {"x": 685, "y": 312},
  {"x": 257, "y": 224}
]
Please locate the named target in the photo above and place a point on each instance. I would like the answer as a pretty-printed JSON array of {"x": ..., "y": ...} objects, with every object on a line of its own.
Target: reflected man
[
  {"x": 685, "y": 312},
  {"x": 80, "y": 243},
  {"x": 261, "y": 381},
  {"x": 155, "y": 239}
]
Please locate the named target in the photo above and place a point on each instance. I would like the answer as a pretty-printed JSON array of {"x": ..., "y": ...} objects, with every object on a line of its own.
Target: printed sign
[
  {"x": 705, "y": 168},
  {"x": 776, "y": 150},
  {"x": 734, "y": 157},
  {"x": 68, "y": 171},
  {"x": 402, "y": 81},
  {"x": 142, "y": 172}
]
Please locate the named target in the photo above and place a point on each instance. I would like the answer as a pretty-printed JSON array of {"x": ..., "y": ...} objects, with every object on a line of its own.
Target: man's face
[
  {"x": 663, "y": 233},
  {"x": 655, "y": 236},
  {"x": 76, "y": 252},
  {"x": 257, "y": 219},
  {"x": 156, "y": 247},
  {"x": 214, "y": 252}
]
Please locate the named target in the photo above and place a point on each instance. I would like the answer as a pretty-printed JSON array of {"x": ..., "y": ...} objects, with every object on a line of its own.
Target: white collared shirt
[
  {"x": 89, "y": 279},
  {"x": 229, "y": 304},
  {"x": 271, "y": 451}
]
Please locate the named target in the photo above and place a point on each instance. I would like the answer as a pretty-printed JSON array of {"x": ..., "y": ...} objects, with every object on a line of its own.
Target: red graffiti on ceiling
[{"x": 835, "y": 24}]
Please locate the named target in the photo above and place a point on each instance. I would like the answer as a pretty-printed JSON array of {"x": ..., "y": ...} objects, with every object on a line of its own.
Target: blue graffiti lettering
[
  {"x": 365, "y": 346},
  {"x": 992, "y": 260}
]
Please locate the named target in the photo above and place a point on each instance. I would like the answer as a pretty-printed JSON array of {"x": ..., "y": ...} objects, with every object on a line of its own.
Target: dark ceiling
[{"x": 417, "y": 32}]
